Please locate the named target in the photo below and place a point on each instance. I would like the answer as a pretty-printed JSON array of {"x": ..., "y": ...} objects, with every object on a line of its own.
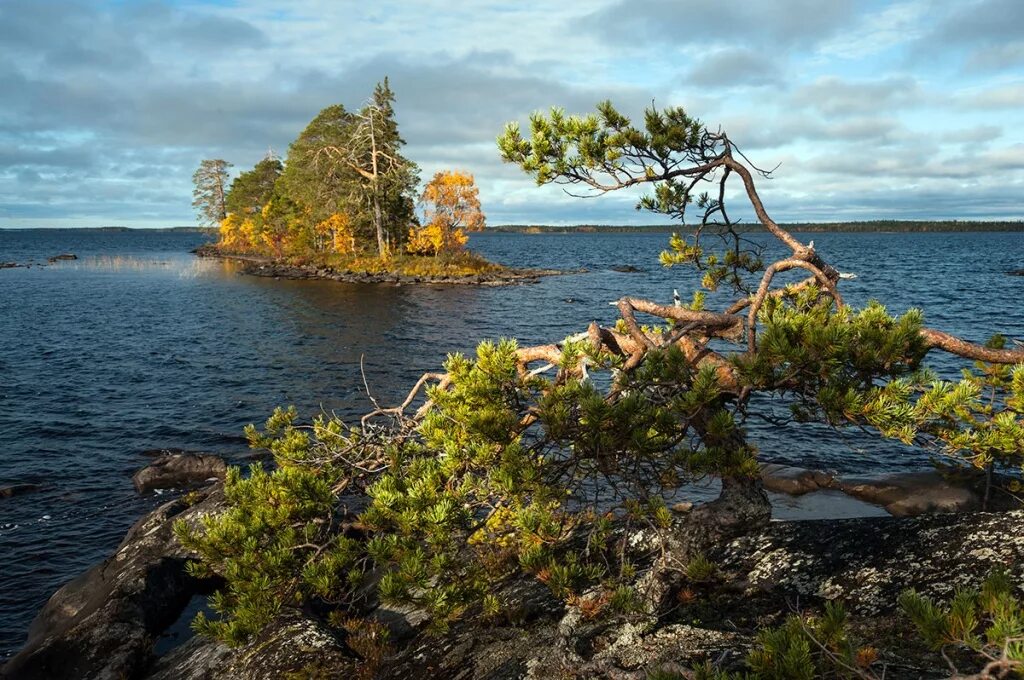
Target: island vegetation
[
  {"x": 554, "y": 462},
  {"x": 345, "y": 198}
]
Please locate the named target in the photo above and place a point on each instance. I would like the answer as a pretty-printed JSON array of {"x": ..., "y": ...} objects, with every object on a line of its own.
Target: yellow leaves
[
  {"x": 238, "y": 234},
  {"x": 451, "y": 208},
  {"x": 338, "y": 230},
  {"x": 230, "y": 232}
]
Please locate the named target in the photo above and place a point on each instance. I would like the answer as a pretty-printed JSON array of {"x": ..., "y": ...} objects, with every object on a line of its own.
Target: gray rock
[
  {"x": 13, "y": 490},
  {"x": 867, "y": 562},
  {"x": 103, "y": 624},
  {"x": 916, "y": 493},
  {"x": 179, "y": 470},
  {"x": 295, "y": 645},
  {"x": 793, "y": 480}
]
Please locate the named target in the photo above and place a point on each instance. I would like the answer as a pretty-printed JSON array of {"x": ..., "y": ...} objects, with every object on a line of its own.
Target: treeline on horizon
[{"x": 867, "y": 226}]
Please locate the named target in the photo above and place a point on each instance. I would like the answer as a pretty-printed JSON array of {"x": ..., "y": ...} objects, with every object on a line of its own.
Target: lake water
[{"x": 139, "y": 345}]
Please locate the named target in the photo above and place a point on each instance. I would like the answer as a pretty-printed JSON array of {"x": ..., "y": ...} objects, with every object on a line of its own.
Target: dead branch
[{"x": 968, "y": 350}]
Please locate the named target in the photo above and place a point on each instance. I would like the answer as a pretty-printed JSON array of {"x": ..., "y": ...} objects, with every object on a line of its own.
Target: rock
[
  {"x": 18, "y": 489},
  {"x": 103, "y": 623},
  {"x": 179, "y": 470},
  {"x": 9, "y": 265},
  {"x": 868, "y": 562},
  {"x": 794, "y": 481},
  {"x": 294, "y": 645},
  {"x": 626, "y": 269},
  {"x": 63, "y": 256},
  {"x": 914, "y": 493},
  {"x": 1016, "y": 272},
  {"x": 904, "y": 494}
]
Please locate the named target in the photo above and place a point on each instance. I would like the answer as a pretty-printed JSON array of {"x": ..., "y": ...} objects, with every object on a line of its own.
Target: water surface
[{"x": 139, "y": 345}]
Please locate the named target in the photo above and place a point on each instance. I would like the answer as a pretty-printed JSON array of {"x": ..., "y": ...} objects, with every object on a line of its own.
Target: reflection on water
[{"x": 187, "y": 266}]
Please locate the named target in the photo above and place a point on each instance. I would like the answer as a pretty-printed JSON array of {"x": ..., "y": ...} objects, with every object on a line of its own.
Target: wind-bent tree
[
  {"x": 210, "y": 192},
  {"x": 385, "y": 178},
  {"x": 547, "y": 459},
  {"x": 451, "y": 205}
]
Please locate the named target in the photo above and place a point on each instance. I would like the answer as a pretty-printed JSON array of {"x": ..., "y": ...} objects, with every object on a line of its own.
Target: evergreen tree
[
  {"x": 252, "y": 190},
  {"x": 317, "y": 187},
  {"x": 210, "y": 192},
  {"x": 386, "y": 180}
]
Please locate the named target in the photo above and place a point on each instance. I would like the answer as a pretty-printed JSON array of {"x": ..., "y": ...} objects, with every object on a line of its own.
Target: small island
[{"x": 343, "y": 206}]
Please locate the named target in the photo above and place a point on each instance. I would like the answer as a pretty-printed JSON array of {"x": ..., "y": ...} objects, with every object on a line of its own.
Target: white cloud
[{"x": 108, "y": 107}]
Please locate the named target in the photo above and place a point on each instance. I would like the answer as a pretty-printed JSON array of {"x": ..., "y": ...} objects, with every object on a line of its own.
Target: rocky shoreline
[
  {"x": 265, "y": 267},
  {"x": 105, "y": 623}
]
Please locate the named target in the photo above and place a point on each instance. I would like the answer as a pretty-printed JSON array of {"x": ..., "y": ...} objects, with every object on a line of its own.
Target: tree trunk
[{"x": 378, "y": 223}]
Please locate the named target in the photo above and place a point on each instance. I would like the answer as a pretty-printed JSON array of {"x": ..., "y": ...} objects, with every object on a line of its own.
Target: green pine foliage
[
  {"x": 498, "y": 477},
  {"x": 989, "y": 621},
  {"x": 507, "y": 472}
]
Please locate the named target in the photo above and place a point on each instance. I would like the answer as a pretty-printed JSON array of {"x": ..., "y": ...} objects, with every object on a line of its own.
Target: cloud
[
  {"x": 1005, "y": 96},
  {"x": 108, "y": 107},
  {"x": 735, "y": 66},
  {"x": 782, "y": 24},
  {"x": 836, "y": 96},
  {"x": 990, "y": 32}
]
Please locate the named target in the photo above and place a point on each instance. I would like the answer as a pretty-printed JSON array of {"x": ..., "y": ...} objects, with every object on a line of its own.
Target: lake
[{"x": 140, "y": 345}]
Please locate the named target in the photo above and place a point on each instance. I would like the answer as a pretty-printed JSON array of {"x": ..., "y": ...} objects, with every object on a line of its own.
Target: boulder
[
  {"x": 179, "y": 470},
  {"x": 793, "y": 480},
  {"x": 62, "y": 256},
  {"x": 295, "y": 645},
  {"x": 914, "y": 493},
  {"x": 103, "y": 623},
  {"x": 626, "y": 269},
  {"x": 18, "y": 489},
  {"x": 762, "y": 578},
  {"x": 868, "y": 562},
  {"x": 904, "y": 494}
]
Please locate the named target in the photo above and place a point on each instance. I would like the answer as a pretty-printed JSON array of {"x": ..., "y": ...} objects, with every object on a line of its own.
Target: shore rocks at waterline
[
  {"x": 264, "y": 267},
  {"x": 282, "y": 270},
  {"x": 179, "y": 470},
  {"x": 903, "y": 494},
  {"x": 103, "y": 624},
  {"x": 865, "y": 563},
  {"x": 62, "y": 257},
  {"x": 12, "y": 490}
]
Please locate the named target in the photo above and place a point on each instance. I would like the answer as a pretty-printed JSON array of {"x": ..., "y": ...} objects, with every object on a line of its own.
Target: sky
[{"x": 910, "y": 109}]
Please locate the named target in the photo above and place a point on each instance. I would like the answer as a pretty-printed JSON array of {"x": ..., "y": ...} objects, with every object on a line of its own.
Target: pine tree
[
  {"x": 252, "y": 190},
  {"x": 210, "y": 193}
]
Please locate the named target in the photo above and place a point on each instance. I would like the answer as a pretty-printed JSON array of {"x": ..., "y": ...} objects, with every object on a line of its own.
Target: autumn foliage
[
  {"x": 345, "y": 196},
  {"x": 451, "y": 207}
]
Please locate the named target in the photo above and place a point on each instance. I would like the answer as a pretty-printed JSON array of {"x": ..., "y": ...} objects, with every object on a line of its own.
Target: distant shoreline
[
  {"x": 867, "y": 226},
  {"x": 873, "y": 226}
]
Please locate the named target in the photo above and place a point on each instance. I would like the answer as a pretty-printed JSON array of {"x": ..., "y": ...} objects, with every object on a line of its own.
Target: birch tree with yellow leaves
[{"x": 451, "y": 205}]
